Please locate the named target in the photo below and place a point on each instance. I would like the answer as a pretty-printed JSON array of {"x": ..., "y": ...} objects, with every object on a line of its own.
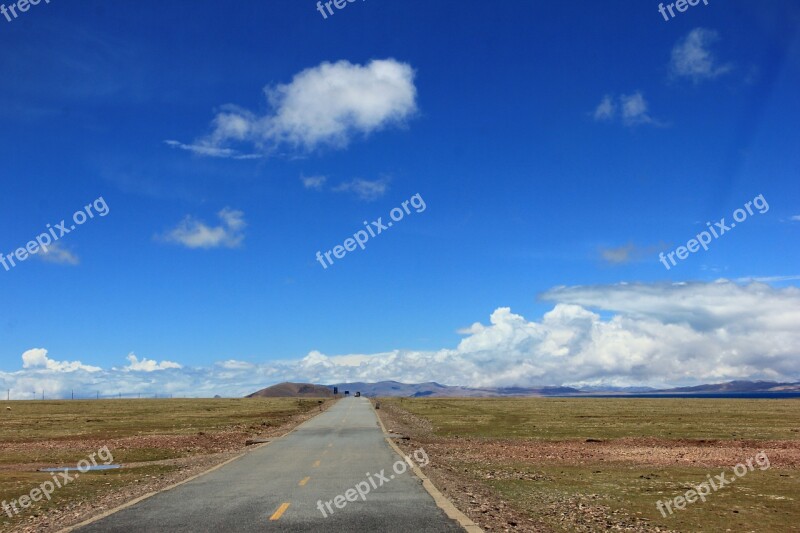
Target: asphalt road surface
[{"x": 281, "y": 486}]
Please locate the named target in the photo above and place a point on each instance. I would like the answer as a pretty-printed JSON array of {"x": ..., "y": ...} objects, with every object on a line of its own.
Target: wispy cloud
[
  {"x": 795, "y": 218},
  {"x": 635, "y": 109},
  {"x": 606, "y": 109},
  {"x": 193, "y": 233},
  {"x": 316, "y": 183},
  {"x": 326, "y": 105},
  {"x": 632, "y": 109},
  {"x": 365, "y": 189},
  {"x": 620, "y": 255},
  {"x": 58, "y": 254},
  {"x": 628, "y": 253},
  {"x": 206, "y": 149},
  {"x": 768, "y": 279},
  {"x": 693, "y": 59}
]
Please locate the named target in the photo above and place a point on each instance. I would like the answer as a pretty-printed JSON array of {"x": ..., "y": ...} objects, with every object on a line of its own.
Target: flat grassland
[
  {"x": 591, "y": 464},
  {"x": 158, "y": 441}
]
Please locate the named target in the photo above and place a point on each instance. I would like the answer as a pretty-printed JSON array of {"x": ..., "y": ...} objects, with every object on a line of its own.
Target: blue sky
[{"x": 558, "y": 150}]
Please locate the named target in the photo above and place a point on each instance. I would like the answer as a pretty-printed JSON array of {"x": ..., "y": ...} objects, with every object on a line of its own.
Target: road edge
[
  {"x": 440, "y": 499},
  {"x": 140, "y": 499}
]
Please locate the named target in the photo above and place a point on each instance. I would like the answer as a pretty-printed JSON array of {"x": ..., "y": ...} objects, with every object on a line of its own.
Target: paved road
[{"x": 277, "y": 487}]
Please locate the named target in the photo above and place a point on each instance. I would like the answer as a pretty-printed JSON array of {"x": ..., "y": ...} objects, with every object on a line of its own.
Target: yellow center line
[
  {"x": 316, "y": 463},
  {"x": 282, "y": 509},
  {"x": 304, "y": 481}
]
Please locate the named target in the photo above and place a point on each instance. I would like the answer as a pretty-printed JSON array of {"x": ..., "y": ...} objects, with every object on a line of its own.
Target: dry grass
[
  {"x": 547, "y": 464},
  {"x": 159, "y": 441},
  {"x": 610, "y": 418}
]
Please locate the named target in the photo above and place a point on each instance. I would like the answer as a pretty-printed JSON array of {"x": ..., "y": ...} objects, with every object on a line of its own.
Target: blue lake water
[
  {"x": 75, "y": 468},
  {"x": 729, "y": 395}
]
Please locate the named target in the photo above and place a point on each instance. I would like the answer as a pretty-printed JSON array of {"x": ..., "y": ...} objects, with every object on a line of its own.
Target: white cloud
[
  {"x": 796, "y": 218},
  {"x": 233, "y": 364},
  {"x": 147, "y": 365},
  {"x": 36, "y": 359},
  {"x": 606, "y": 109},
  {"x": 326, "y": 105},
  {"x": 209, "y": 150},
  {"x": 649, "y": 334},
  {"x": 193, "y": 233},
  {"x": 633, "y": 109},
  {"x": 314, "y": 182},
  {"x": 58, "y": 254},
  {"x": 628, "y": 253},
  {"x": 618, "y": 256},
  {"x": 768, "y": 279},
  {"x": 691, "y": 57},
  {"x": 365, "y": 189}
]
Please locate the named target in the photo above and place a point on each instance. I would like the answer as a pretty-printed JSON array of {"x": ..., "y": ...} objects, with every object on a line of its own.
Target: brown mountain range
[{"x": 294, "y": 390}]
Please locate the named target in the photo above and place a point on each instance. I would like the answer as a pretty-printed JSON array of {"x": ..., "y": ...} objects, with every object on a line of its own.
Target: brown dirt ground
[
  {"x": 208, "y": 451},
  {"x": 487, "y": 509}
]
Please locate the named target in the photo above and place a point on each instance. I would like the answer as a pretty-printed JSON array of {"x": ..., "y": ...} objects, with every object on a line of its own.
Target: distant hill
[
  {"x": 294, "y": 390},
  {"x": 394, "y": 388},
  {"x": 610, "y": 389},
  {"x": 437, "y": 390},
  {"x": 432, "y": 389},
  {"x": 738, "y": 386}
]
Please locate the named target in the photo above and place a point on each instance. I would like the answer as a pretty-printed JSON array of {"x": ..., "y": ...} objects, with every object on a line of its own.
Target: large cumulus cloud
[{"x": 625, "y": 334}]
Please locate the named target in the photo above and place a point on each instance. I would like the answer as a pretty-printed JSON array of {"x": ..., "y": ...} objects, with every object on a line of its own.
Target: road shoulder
[
  {"x": 116, "y": 502},
  {"x": 442, "y": 502}
]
